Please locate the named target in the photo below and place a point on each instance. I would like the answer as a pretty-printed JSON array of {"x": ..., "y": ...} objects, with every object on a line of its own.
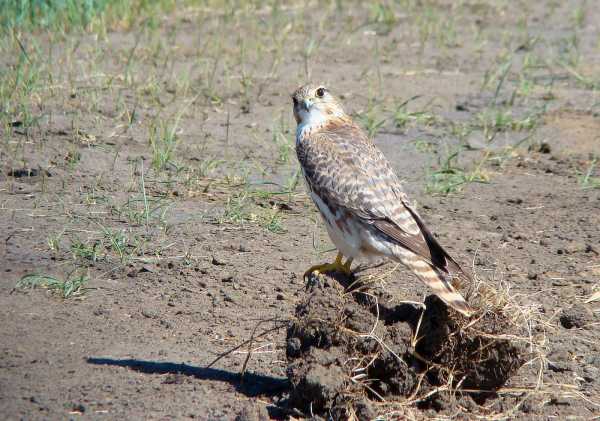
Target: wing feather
[{"x": 343, "y": 166}]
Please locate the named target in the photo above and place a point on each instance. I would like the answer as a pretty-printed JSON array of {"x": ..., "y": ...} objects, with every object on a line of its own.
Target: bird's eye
[
  {"x": 320, "y": 92},
  {"x": 295, "y": 101}
]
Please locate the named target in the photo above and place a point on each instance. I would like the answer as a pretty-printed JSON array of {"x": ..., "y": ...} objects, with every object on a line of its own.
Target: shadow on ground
[{"x": 251, "y": 386}]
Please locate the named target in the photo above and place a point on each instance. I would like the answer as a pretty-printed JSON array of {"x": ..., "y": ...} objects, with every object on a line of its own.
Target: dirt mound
[{"x": 349, "y": 350}]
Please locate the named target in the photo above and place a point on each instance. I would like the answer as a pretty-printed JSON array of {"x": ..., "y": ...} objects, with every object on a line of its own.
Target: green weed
[
  {"x": 309, "y": 49},
  {"x": 143, "y": 209},
  {"x": 578, "y": 15},
  {"x": 497, "y": 75},
  {"x": 402, "y": 117},
  {"x": 451, "y": 177},
  {"x": 382, "y": 17},
  {"x": 371, "y": 120},
  {"x": 18, "y": 82},
  {"x": 285, "y": 145},
  {"x": 70, "y": 287},
  {"x": 72, "y": 158},
  {"x": 85, "y": 251},
  {"x": 425, "y": 145},
  {"x": 67, "y": 15},
  {"x": 434, "y": 25},
  {"x": 494, "y": 120},
  {"x": 163, "y": 143},
  {"x": 53, "y": 241},
  {"x": 236, "y": 210},
  {"x": 119, "y": 242},
  {"x": 587, "y": 180},
  {"x": 241, "y": 209},
  {"x": 271, "y": 220},
  {"x": 588, "y": 82},
  {"x": 207, "y": 166}
]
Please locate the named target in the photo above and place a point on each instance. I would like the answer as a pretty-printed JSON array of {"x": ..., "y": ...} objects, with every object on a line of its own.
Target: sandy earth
[{"x": 194, "y": 283}]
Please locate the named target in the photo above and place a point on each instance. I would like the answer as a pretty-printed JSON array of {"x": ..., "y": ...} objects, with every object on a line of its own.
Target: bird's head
[{"x": 315, "y": 106}]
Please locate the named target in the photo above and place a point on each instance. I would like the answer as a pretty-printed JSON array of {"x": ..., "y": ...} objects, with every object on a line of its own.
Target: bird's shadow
[{"x": 251, "y": 384}]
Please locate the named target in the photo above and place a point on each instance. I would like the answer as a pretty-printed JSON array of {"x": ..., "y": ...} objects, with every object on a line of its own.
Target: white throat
[
  {"x": 314, "y": 119},
  {"x": 310, "y": 120}
]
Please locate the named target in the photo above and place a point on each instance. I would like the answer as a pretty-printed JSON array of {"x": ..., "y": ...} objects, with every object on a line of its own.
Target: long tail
[{"x": 439, "y": 282}]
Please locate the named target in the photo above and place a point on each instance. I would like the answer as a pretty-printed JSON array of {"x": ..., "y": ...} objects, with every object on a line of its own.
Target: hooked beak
[{"x": 306, "y": 104}]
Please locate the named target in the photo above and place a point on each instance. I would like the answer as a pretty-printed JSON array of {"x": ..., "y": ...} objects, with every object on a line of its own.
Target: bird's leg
[
  {"x": 347, "y": 266},
  {"x": 336, "y": 266}
]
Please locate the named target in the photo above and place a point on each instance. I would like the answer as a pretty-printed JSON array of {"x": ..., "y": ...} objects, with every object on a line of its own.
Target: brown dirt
[
  {"x": 137, "y": 343},
  {"x": 349, "y": 349},
  {"x": 574, "y": 131}
]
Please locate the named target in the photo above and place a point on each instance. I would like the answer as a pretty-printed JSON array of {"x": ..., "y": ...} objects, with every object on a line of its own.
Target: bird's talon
[{"x": 336, "y": 266}]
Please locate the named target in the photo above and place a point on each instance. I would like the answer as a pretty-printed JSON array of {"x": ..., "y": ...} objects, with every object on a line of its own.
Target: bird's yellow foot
[{"x": 336, "y": 266}]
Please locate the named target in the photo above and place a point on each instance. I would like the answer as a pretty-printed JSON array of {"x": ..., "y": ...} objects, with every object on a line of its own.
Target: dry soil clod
[{"x": 349, "y": 351}]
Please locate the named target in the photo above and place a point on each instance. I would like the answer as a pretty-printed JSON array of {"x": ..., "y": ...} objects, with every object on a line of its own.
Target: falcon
[{"x": 361, "y": 200}]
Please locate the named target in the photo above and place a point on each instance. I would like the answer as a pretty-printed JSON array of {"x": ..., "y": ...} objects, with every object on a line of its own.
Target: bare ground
[{"x": 169, "y": 292}]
